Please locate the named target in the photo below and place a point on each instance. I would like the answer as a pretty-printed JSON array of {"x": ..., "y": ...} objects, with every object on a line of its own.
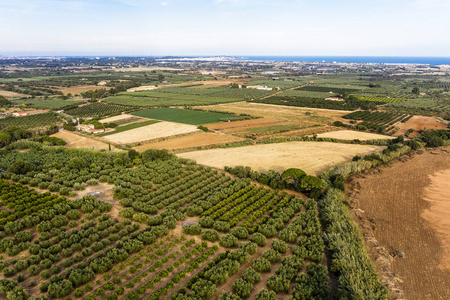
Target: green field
[
  {"x": 129, "y": 127},
  {"x": 182, "y": 116}
]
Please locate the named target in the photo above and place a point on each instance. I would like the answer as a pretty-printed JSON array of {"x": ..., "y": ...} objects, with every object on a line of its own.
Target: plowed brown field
[
  {"x": 405, "y": 210},
  {"x": 419, "y": 122},
  {"x": 196, "y": 140}
]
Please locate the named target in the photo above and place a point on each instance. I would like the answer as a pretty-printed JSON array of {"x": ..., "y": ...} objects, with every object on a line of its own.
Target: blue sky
[{"x": 225, "y": 27}]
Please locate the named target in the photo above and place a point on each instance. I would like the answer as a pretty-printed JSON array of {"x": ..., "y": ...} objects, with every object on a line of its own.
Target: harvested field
[
  {"x": 151, "y": 132},
  {"x": 9, "y": 94},
  {"x": 405, "y": 209},
  {"x": 142, "y": 88},
  {"x": 74, "y": 140},
  {"x": 236, "y": 125},
  {"x": 417, "y": 123},
  {"x": 75, "y": 90},
  {"x": 196, "y": 140},
  {"x": 122, "y": 117},
  {"x": 312, "y": 157},
  {"x": 352, "y": 135}
]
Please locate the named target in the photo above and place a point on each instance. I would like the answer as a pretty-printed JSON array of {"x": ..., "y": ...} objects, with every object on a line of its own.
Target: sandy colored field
[
  {"x": 142, "y": 88},
  {"x": 404, "y": 211},
  {"x": 8, "y": 94},
  {"x": 76, "y": 141},
  {"x": 150, "y": 132},
  {"x": 312, "y": 157},
  {"x": 75, "y": 90},
  {"x": 242, "y": 124},
  {"x": 352, "y": 135},
  {"x": 417, "y": 123},
  {"x": 201, "y": 139},
  {"x": 120, "y": 118}
]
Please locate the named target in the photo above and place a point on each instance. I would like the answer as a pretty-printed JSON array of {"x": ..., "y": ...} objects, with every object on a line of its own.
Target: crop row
[
  {"x": 32, "y": 121},
  {"x": 96, "y": 110},
  {"x": 383, "y": 99}
]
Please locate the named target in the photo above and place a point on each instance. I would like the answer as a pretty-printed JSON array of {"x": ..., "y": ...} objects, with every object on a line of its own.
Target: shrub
[
  {"x": 192, "y": 229},
  {"x": 250, "y": 275},
  {"x": 221, "y": 226},
  {"x": 258, "y": 239},
  {"x": 279, "y": 246},
  {"x": 271, "y": 255},
  {"x": 261, "y": 265},
  {"x": 268, "y": 295},
  {"x": 242, "y": 288},
  {"x": 228, "y": 241},
  {"x": 210, "y": 235},
  {"x": 206, "y": 222},
  {"x": 240, "y": 232}
]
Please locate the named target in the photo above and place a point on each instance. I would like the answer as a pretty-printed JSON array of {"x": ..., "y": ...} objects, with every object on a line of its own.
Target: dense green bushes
[{"x": 357, "y": 277}]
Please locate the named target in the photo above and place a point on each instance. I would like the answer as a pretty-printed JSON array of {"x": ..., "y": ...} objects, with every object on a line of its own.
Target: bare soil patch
[
  {"x": 417, "y": 123},
  {"x": 150, "y": 132},
  {"x": 312, "y": 157},
  {"x": 196, "y": 140},
  {"x": 403, "y": 211},
  {"x": 121, "y": 118},
  {"x": 74, "y": 140},
  {"x": 352, "y": 135},
  {"x": 438, "y": 215}
]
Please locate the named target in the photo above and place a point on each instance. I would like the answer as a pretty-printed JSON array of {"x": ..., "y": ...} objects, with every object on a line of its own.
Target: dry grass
[
  {"x": 352, "y": 135},
  {"x": 9, "y": 94},
  {"x": 151, "y": 132},
  {"x": 196, "y": 140},
  {"x": 75, "y": 90},
  {"x": 312, "y": 157},
  {"x": 77, "y": 141}
]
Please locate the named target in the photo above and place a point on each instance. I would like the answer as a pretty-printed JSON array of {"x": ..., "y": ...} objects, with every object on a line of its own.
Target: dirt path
[
  {"x": 403, "y": 212},
  {"x": 74, "y": 140}
]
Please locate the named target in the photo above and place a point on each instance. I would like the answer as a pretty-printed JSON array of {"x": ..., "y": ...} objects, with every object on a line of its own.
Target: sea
[{"x": 355, "y": 59}]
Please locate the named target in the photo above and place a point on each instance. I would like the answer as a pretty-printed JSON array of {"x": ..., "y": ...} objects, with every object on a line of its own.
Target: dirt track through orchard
[{"x": 406, "y": 208}]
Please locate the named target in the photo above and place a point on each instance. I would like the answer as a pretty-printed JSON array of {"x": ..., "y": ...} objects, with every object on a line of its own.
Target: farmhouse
[
  {"x": 19, "y": 114},
  {"x": 334, "y": 99},
  {"x": 89, "y": 128}
]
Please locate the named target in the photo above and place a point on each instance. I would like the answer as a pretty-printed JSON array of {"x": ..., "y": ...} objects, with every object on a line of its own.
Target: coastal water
[{"x": 355, "y": 59}]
